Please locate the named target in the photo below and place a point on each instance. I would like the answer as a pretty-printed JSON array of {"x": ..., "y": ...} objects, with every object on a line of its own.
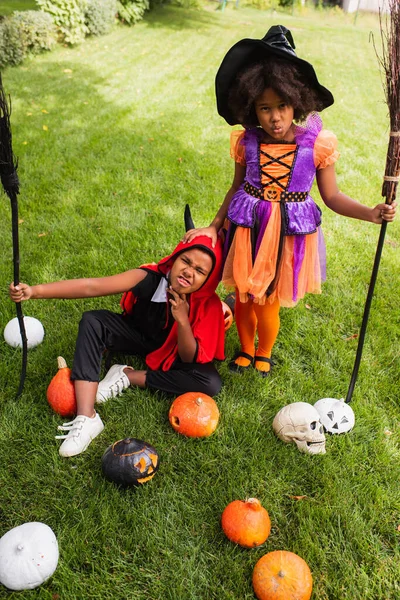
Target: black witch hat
[{"x": 277, "y": 42}]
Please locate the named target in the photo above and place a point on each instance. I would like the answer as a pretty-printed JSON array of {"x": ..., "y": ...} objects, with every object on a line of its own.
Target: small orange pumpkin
[
  {"x": 61, "y": 392},
  {"x": 228, "y": 315},
  {"x": 246, "y": 522},
  {"x": 282, "y": 575},
  {"x": 194, "y": 414}
]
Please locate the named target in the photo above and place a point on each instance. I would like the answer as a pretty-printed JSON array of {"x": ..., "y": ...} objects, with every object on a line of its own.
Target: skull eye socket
[
  {"x": 331, "y": 415},
  {"x": 344, "y": 420},
  {"x": 313, "y": 425}
]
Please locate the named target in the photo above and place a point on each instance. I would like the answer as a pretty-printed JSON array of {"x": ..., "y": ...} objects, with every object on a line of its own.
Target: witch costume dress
[{"x": 275, "y": 247}]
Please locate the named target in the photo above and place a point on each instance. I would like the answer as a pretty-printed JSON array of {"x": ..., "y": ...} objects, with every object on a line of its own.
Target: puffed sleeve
[
  {"x": 325, "y": 149},
  {"x": 238, "y": 151}
]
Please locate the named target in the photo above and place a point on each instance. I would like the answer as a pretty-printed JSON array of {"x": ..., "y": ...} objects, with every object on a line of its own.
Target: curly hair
[{"x": 280, "y": 75}]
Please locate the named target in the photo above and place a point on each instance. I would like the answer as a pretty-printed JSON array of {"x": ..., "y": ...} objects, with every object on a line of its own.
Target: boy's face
[{"x": 190, "y": 270}]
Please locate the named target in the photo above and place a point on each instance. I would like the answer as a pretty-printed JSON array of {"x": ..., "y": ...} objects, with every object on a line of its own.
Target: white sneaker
[
  {"x": 82, "y": 430},
  {"x": 113, "y": 384}
]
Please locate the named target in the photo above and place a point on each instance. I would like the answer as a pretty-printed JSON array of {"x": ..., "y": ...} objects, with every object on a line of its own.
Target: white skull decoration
[
  {"x": 300, "y": 423},
  {"x": 336, "y": 416}
]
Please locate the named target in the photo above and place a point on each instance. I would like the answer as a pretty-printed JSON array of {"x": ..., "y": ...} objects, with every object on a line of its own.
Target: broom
[
  {"x": 390, "y": 64},
  {"x": 10, "y": 183}
]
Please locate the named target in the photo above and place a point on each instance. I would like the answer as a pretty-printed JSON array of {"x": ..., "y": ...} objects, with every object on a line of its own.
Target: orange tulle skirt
[{"x": 292, "y": 276}]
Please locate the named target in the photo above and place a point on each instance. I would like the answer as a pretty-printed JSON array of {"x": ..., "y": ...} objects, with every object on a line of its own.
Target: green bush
[
  {"x": 100, "y": 16},
  {"x": 186, "y": 3},
  {"x": 154, "y": 3},
  {"x": 268, "y": 4},
  {"x": 132, "y": 11},
  {"x": 11, "y": 45},
  {"x": 69, "y": 17},
  {"x": 37, "y": 30}
]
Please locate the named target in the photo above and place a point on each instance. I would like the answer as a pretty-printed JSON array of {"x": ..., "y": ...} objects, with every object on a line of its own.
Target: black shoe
[
  {"x": 238, "y": 368},
  {"x": 263, "y": 359}
]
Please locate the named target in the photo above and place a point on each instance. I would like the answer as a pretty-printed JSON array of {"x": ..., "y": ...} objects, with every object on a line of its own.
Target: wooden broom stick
[
  {"x": 390, "y": 63},
  {"x": 9, "y": 180}
]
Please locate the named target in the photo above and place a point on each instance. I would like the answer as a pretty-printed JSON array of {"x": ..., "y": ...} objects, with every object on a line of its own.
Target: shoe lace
[
  {"x": 73, "y": 427},
  {"x": 116, "y": 387}
]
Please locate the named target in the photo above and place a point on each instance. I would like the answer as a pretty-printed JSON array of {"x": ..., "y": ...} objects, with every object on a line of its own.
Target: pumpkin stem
[
  {"x": 199, "y": 401},
  {"x": 254, "y": 503},
  {"x": 20, "y": 547},
  {"x": 61, "y": 362},
  {"x": 281, "y": 574}
]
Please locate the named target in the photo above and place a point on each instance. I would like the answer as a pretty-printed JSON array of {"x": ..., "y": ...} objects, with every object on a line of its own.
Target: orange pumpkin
[
  {"x": 282, "y": 575},
  {"x": 228, "y": 315},
  {"x": 194, "y": 414},
  {"x": 246, "y": 522},
  {"x": 61, "y": 392}
]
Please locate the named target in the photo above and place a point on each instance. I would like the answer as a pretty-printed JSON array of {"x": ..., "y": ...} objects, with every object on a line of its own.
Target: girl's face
[
  {"x": 275, "y": 115},
  {"x": 190, "y": 270}
]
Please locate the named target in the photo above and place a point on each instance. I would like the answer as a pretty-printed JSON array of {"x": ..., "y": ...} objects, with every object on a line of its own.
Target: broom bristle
[
  {"x": 8, "y": 163},
  {"x": 390, "y": 62}
]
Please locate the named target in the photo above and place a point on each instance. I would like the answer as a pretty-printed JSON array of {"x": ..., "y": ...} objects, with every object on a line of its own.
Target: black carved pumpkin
[{"x": 130, "y": 462}]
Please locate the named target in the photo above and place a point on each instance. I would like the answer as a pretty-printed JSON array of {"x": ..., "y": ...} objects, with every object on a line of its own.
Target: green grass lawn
[
  {"x": 113, "y": 138},
  {"x": 8, "y": 7}
]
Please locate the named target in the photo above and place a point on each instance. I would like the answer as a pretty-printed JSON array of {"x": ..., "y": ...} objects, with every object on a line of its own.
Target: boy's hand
[
  {"x": 20, "y": 292},
  {"x": 384, "y": 212},
  {"x": 179, "y": 306},
  {"x": 210, "y": 232}
]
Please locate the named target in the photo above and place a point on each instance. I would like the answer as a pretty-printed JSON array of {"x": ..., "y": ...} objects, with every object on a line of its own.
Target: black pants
[{"x": 101, "y": 330}]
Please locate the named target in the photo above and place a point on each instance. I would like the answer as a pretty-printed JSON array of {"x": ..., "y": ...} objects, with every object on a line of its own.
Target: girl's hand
[
  {"x": 179, "y": 306},
  {"x": 384, "y": 212},
  {"x": 20, "y": 292},
  {"x": 210, "y": 232}
]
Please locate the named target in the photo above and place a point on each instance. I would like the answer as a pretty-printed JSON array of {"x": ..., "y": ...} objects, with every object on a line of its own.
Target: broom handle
[
  {"x": 367, "y": 307},
  {"x": 20, "y": 316}
]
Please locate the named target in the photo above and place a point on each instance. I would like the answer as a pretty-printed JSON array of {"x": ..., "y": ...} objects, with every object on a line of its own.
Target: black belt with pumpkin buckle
[
  {"x": 285, "y": 196},
  {"x": 253, "y": 191},
  {"x": 294, "y": 196}
]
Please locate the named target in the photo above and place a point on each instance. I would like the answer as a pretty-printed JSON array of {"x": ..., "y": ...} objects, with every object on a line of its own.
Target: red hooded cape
[{"x": 205, "y": 311}]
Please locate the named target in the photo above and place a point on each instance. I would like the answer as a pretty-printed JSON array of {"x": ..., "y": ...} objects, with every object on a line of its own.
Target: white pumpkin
[
  {"x": 33, "y": 328},
  {"x": 28, "y": 556},
  {"x": 336, "y": 416}
]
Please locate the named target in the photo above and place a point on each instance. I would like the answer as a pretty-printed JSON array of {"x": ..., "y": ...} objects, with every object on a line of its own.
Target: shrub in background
[
  {"x": 186, "y": 3},
  {"x": 132, "y": 11},
  {"x": 269, "y": 4},
  {"x": 69, "y": 17},
  {"x": 34, "y": 31},
  {"x": 37, "y": 30},
  {"x": 100, "y": 16},
  {"x": 11, "y": 46}
]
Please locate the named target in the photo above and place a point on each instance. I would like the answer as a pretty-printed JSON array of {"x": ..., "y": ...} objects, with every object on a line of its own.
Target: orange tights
[{"x": 263, "y": 319}]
